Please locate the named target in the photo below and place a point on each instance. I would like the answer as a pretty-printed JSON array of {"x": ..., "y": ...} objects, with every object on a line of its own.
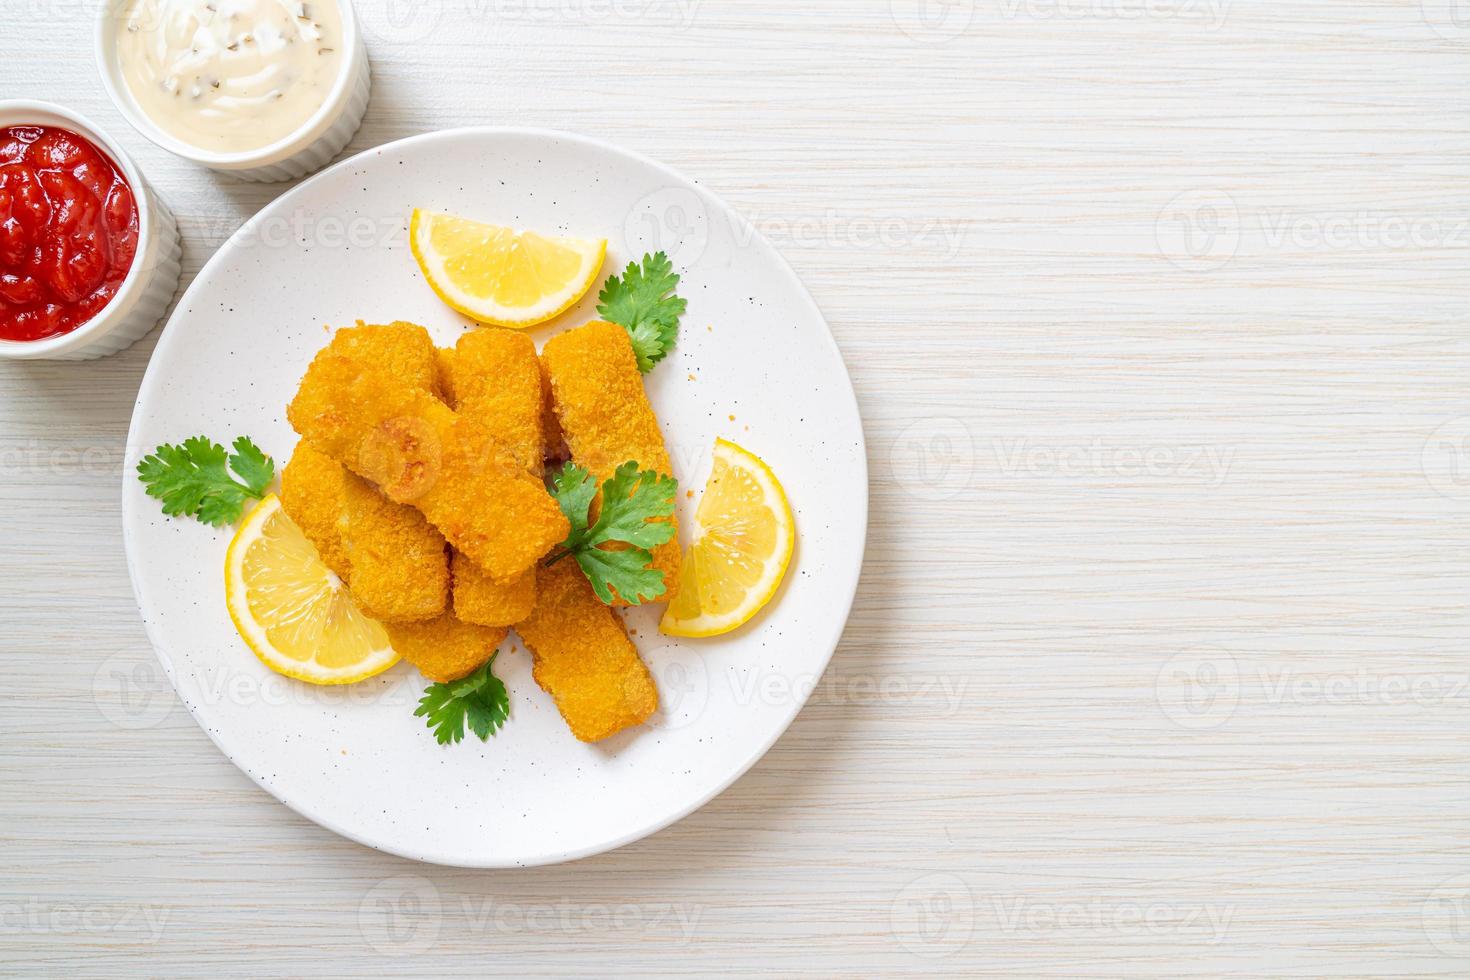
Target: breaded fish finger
[
  {"x": 583, "y": 657},
  {"x": 419, "y": 451},
  {"x": 400, "y": 566},
  {"x": 493, "y": 377},
  {"x": 405, "y": 350},
  {"x": 480, "y": 599},
  {"x": 597, "y": 393},
  {"x": 445, "y": 649},
  {"x": 392, "y": 560},
  {"x": 399, "y": 562}
]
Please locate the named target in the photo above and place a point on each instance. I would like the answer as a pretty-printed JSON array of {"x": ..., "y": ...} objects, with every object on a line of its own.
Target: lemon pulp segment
[
  {"x": 743, "y": 540},
  {"x": 292, "y": 611},
  {"x": 500, "y": 275}
]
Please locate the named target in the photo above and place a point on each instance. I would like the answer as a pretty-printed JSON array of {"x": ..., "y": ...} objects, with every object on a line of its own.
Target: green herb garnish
[
  {"x": 642, "y": 303},
  {"x": 632, "y": 503},
  {"x": 193, "y": 480},
  {"x": 479, "y": 699}
]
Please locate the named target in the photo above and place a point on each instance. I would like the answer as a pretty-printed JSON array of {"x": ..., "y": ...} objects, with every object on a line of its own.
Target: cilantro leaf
[
  {"x": 574, "y": 488},
  {"x": 626, "y": 571},
  {"x": 252, "y": 465},
  {"x": 193, "y": 479},
  {"x": 652, "y": 342},
  {"x": 479, "y": 699},
  {"x": 630, "y": 503},
  {"x": 613, "y": 550},
  {"x": 642, "y": 302}
]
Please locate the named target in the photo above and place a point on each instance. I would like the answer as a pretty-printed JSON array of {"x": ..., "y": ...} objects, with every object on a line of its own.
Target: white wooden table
[{"x": 1156, "y": 310}]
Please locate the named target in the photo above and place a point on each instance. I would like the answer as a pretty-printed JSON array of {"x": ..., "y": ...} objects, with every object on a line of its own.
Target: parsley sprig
[
  {"x": 642, "y": 302},
  {"x": 479, "y": 700},
  {"x": 193, "y": 479},
  {"x": 632, "y": 503}
]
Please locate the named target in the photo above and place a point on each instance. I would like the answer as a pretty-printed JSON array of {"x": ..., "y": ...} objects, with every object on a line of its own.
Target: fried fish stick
[
  {"x": 445, "y": 649},
  {"x": 405, "y": 350},
  {"x": 418, "y": 451},
  {"x": 391, "y": 559},
  {"x": 584, "y": 659},
  {"x": 493, "y": 377},
  {"x": 400, "y": 567},
  {"x": 481, "y": 600},
  {"x": 399, "y": 562},
  {"x": 597, "y": 393}
]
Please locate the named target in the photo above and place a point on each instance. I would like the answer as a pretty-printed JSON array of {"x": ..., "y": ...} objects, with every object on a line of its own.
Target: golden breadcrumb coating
[
  {"x": 493, "y": 377},
  {"x": 478, "y": 599},
  {"x": 314, "y": 496},
  {"x": 419, "y": 451},
  {"x": 392, "y": 560},
  {"x": 400, "y": 562},
  {"x": 397, "y": 563},
  {"x": 597, "y": 393},
  {"x": 405, "y": 350},
  {"x": 400, "y": 566},
  {"x": 583, "y": 657},
  {"x": 445, "y": 649}
]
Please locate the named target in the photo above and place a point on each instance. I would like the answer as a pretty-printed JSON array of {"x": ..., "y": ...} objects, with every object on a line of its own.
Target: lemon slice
[
  {"x": 499, "y": 275},
  {"x": 294, "y": 613},
  {"x": 743, "y": 537}
]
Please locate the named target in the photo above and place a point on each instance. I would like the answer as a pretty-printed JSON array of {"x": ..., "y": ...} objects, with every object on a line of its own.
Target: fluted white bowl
[{"x": 309, "y": 148}]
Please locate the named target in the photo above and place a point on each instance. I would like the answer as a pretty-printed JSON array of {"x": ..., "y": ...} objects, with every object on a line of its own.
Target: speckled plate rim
[{"x": 153, "y": 379}]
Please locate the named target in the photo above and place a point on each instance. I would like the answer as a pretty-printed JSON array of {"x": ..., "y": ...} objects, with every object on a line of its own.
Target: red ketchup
[{"x": 68, "y": 231}]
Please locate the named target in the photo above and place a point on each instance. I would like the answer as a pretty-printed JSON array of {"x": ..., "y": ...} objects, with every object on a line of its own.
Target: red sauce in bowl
[{"x": 68, "y": 231}]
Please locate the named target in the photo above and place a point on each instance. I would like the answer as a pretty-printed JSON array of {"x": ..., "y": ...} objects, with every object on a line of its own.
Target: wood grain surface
[{"x": 1156, "y": 310}]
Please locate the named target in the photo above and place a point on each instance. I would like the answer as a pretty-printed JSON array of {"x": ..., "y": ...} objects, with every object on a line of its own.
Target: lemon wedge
[
  {"x": 499, "y": 275},
  {"x": 743, "y": 539},
  {"x": 293, "y": 612}
]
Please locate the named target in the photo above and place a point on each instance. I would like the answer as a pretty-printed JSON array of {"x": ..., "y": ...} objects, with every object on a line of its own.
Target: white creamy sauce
[{"x": 230, "y": 75}]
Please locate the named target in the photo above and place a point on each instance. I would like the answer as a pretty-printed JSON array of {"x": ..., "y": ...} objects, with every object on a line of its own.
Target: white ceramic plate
[{"x": 356, "y": 760}]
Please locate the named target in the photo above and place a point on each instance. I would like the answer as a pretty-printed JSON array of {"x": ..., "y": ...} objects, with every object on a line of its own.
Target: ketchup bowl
[{"x": 89, "y": 256}]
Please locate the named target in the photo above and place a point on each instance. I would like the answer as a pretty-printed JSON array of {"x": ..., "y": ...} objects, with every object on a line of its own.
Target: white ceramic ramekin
[
  {"x": 309, "y": 148},
  {"x": 150, "y": 283}
]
